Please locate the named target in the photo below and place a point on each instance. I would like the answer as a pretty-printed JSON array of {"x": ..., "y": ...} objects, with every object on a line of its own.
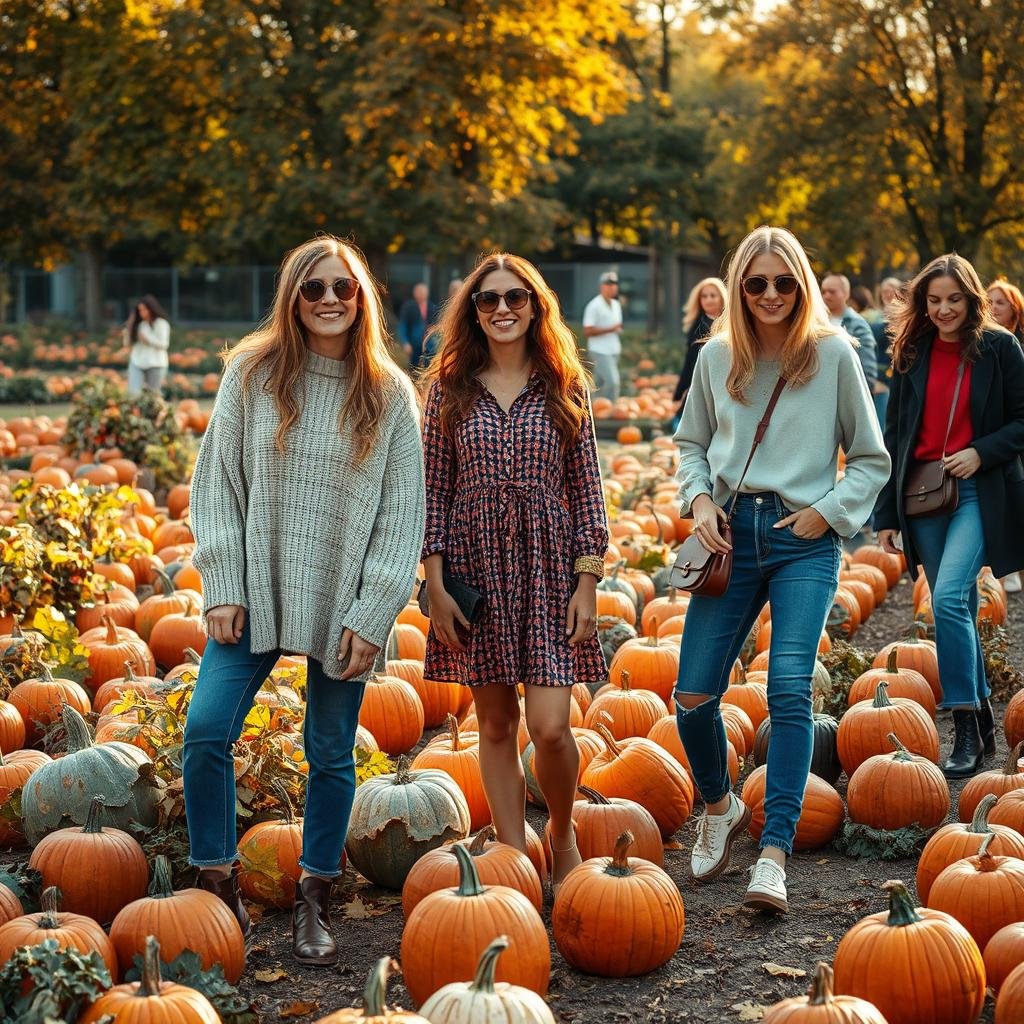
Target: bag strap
[
  {"x": 952, "y": 408},
  {"x": 759, "y": 433}
]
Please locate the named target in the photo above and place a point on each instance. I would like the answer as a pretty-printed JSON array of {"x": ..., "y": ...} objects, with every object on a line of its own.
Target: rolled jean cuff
[
  {"x": 229, "y": 859},
  {"x": 779, "y": 844},
  {"x": 333, "y": 873}
]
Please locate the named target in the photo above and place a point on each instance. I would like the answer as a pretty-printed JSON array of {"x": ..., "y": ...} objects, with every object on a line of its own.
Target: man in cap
[{"x": 602, "y": 322}]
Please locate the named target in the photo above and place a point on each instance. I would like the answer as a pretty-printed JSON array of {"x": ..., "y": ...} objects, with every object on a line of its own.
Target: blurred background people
[
  {"x": 602, "y": 322},
  {"x": 703, "y": 307},
  {"x": 415, "y": 319},
  {"x": 835, "y": 290},
  {"x": 1007, "y": 305},
  {"x": 148, "y": 332}
]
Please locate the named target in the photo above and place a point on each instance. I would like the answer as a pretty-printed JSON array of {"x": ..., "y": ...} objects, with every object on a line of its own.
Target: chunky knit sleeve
[
  {"x": 389, "y": 568},
  {"x": 440, "y": 468},
  {"x": 219, "y": 499},
  {"x": 586, "y": 495}
]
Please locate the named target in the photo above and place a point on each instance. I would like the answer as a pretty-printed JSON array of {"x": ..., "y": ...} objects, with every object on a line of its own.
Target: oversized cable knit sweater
[{"x": 307, "y": 542}]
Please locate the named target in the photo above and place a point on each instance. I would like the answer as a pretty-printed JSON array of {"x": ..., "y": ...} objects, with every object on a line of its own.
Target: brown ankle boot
[
  {"x": 312, "y": 942},
  {"x": 226, "y": 889}
]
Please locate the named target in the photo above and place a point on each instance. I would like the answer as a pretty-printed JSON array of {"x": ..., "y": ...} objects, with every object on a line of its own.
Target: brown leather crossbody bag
[
  {"x": 929, "y": 489},
  {"x": 704, "y": 572}
]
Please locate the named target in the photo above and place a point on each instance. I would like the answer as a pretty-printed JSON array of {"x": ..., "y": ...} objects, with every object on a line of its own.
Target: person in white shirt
[
  {"x": 148, "y": 332},
  {"x": 602, "y": 321}
]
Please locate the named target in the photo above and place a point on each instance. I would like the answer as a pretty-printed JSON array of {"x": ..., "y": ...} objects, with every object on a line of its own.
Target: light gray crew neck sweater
[
  {"x": 305, "y": 541},
  {"x": 798, "y": 457}
]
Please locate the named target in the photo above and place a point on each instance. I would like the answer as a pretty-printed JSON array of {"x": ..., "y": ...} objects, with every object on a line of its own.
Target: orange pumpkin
[
  {"x": 627, "y": 712},
  {"x": 650, "y": 663},
  {"x": 822, "y": 1006},
  {"x": 459, "y": 755},
  {"x": 997, "y": 781},
  {"x": 600, "y": 820},
  {"x": 164, "y": 602},
  {"x": 821, "y": 814},
  {"x": 15, "y": 769},
  {"x": 268, "y": 854},
  {"x": 900, "y": 682},
  {"x": 39, "y": 701},
  {"x": 109, "y": 646},
  {"x": 917, "y": 653},
  {"x": 1003, "y": 953},
  {"x": 393, "y": 712}
]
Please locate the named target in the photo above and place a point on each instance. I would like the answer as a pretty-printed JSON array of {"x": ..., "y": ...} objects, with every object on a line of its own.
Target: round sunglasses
[
  {"x": 314, "y": 289},
  {"x": 756, "y": 284},
  {"x": 515, "y": 298}
]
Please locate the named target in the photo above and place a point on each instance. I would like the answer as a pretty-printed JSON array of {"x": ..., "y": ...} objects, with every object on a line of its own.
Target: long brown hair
[
  {"x": 464, "y": 353},
  {"x": 278, "y": 345},
  {"x": 910, "y": 323},
  {"x": 808, "y": 326}
]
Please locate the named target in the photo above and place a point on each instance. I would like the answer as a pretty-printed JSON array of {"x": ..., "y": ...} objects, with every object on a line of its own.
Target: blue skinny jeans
[
  {"x": 230, "y": 676},
  {"x": 952, "y": 552},
  {"x": 799, "y": 578}
]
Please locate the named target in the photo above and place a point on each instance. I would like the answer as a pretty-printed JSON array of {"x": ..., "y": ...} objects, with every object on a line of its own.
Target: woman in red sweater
[{"x": 957, "y": 398}]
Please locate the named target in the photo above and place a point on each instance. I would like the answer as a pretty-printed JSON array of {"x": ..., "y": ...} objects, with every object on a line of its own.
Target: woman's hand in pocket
[{"x": 807, "y": 524}]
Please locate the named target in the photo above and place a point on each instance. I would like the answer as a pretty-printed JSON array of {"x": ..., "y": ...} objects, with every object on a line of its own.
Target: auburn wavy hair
[
  {"x": 463, "y": 352},
  {"x": 278, "y": 347},
  {"x": 809, "y": 322},
  {"x": 1016, "y": 301},
  {"x": 910, "y": 324}
]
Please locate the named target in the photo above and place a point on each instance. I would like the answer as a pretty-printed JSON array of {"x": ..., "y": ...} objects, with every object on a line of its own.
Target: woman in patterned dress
[{"x": 515, "y": 509}]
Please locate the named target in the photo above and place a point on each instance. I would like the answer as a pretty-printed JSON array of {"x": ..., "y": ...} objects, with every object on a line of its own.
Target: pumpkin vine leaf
[
  {"x": 857, "y": 840},
  {"x": 187, "y": 969}
]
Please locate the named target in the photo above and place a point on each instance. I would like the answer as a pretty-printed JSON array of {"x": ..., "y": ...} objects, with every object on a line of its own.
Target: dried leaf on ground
[
  {"x": 748, "y": 1010},
  {"x": 781, "y": 970},
  {"x": 360, "y": 911},
  {"x": 268, "y": 977},
  {"x": 299, "y": 1008}
]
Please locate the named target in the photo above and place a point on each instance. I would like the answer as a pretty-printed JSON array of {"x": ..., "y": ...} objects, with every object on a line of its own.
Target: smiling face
[
  {"x": 1002, "y": 311},
  {"x": 711, "y": 301},
  {"x": 504, "y": 326},
  {"x": 331, "y": 317},
  {"x": 770, "y": 308},
  {"x": 947, "y": 306}
]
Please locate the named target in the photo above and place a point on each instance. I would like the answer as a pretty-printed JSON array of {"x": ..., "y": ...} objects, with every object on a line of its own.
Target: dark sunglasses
[
  {"x": 314, "y": 290},
  {"x": 515, "y": 298},
  {"x": 785, "y": 284}
]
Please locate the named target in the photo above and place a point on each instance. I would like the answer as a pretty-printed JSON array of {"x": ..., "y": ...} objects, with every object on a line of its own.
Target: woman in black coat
[
  {"x": 704, "y": 306},
  {"x": 946, "y": 347}
]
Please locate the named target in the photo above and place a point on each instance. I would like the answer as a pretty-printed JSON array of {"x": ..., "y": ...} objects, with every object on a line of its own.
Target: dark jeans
[
  {"x": 952, "y": 551},
  {"x": 799, "y": 578},
  {"x": 230, "y": 676}
]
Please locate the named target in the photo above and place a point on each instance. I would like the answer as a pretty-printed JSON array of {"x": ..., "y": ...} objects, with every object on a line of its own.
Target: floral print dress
[{"x": 511, "y": 515}]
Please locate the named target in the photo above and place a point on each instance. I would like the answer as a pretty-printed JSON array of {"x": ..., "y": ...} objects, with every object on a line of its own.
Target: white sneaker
[
  {"x": 767, "y": 888},
  {"x": 1011, "y": 583},
  {"x": 715, "y": 833}
]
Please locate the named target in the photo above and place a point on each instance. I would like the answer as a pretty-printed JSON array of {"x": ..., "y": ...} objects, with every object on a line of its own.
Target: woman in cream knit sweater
[{"x": 308, "y": 513}]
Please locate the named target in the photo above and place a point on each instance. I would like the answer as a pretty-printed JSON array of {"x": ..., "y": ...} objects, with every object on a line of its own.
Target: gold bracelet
[{"x": 590, "y": 564}]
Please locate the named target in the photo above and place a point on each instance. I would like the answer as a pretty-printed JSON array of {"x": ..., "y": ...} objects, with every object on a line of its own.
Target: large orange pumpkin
[
  {"x": 1003, "y": 953},
  {"x": 469, "y": 917},
  {"x": 268, "y": 854},
  {"x": 650, "y": 664},
  {"x": 1010, "y": 1004},
  {"x": 917, "y": 653},
  {"x": 175, "y": 631},
  {"x": 625, "y": 711},
  {"x": 821, "y": 814},
  {"x": 997, "y": 781},
  {"x": 459, "y": 756},
  {"x": 15, "y": 769},
  {"x": 166, "y": 600},
  {"x": 39, "y": 701},
  {"x": 1013, "y": 719},
  {"x": 109, "y": 646},
  {"x": 393, "y": 712},
  {"x": 600, "y": 821},
  {"x": 822, "y": 1006},
  {"x": 900, "y": 682},
  {"x": 439, "y": 700}
]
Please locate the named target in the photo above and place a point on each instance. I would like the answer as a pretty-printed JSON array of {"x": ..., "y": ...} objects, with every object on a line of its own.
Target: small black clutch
[{"x": 470, "y": 601}]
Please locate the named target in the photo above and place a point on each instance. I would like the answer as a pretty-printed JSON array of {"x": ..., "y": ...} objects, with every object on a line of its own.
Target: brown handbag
[
  {"x": 704, "y": 572},
  {"x": 929, "y": 489}
]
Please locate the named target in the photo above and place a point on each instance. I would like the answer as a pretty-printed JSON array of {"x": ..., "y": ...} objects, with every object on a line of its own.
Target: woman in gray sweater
[
  {"x": 308, "y": 513},
  {"x": 788, "y": 519}
]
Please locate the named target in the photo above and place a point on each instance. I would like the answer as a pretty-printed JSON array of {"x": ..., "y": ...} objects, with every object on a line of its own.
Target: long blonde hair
[
  {"x": 693, "y": 308},
  {"x": 809, "y": 323},
  {"x": 464, "y": 352},
  {"x": 278, "y": 346}
]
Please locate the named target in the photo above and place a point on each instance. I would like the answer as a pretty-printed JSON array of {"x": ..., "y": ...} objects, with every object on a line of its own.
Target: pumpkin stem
[
  {"x": 190, "y": 608},
  {"x": 882, "y": 695},
  {"x": 469, "y": 880},
  {"x": 979, "y": 823},
  {"x": 94, "y": 819},
  {"x": 986, "y": 861},
  {"x": 375, "y": 993},
  {"x": 129, "y": 671},
  {"x": 609, "y": 740},
  {"x": 901, "y": 907},
  {"x": 902, "y": 754},
  {"x": 165, "y": 581},
  {"x": 47, "y": 673},
  {"x": 821, "y": 985},
  {"x": 891, "y": 665},
  {"x": 592, "y": 795},
  {"x": 624, "y": 680},
  {"x": 278, "y": 789},
  {"x": 403, "y": 775},
  {"x": 111, "y": 640},
  {"x": 50, "y": 905},
  {"x": 79, "y": 737},
  {"x": 162, "y": 885},
  {"x": 620, "y": 859},
  {"x": 1011, "y": 768},
  {"x": 818, "y": 704},
  {"x": 149, "y": 983},
  {"x": 483, "y": 980},
  {"x": 918, "y": 631},
  {"x": 481, "y": 839},
  {"x": 652, "y": 640},
  {"x": 453, "y": 731}
]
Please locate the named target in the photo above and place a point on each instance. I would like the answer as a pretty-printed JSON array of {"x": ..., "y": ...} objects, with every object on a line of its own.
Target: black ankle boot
[
  {"x": 226, "y": 889},
  {"x": 967, "y": 756},
  {"x": 312, "y": 942},
  {"x": 987, "y": 727}
]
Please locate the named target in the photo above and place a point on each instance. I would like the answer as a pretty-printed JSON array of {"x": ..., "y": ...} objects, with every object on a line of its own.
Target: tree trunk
[
  {"x": 92, "y": 259},
  {"x": 652, "y": 287}
]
